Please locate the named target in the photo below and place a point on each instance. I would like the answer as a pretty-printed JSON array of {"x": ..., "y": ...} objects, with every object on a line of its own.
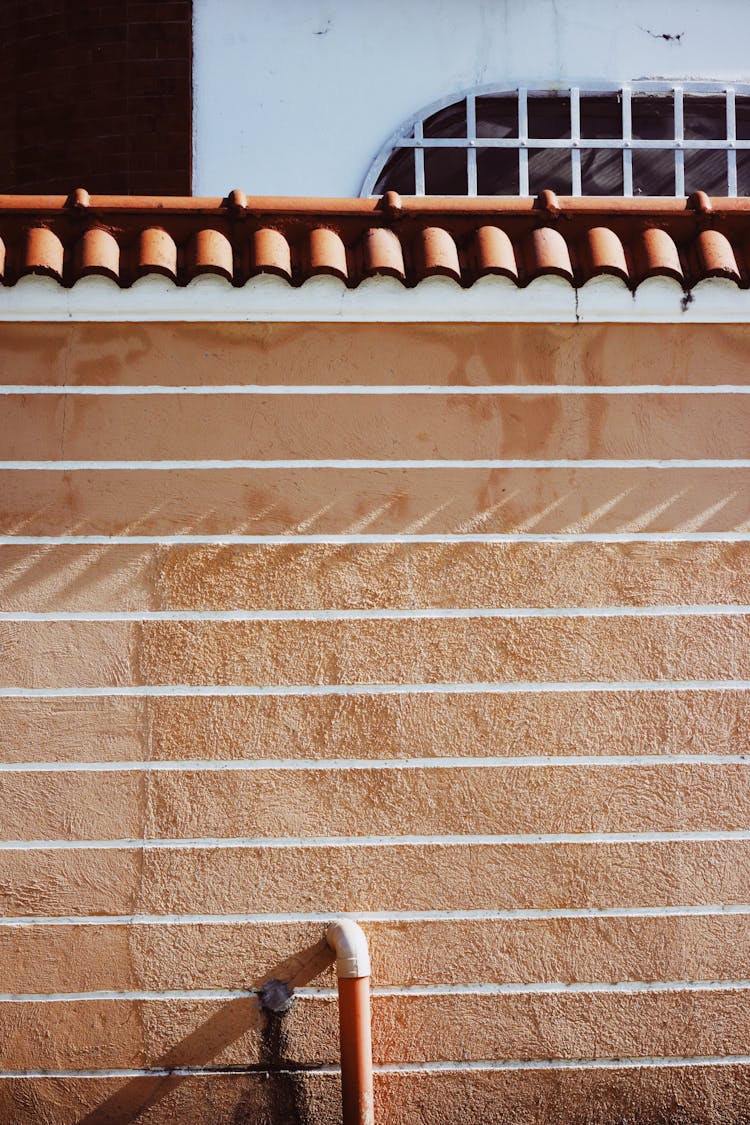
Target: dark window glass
[
  {"x": 653, "y": 172},
  {"x": 652, "y": 117},
  {"x": 549, "y": 118},
  {"x": 742, "y": 117},
  {"x": 497, "y": 117},
  {"x": 445, "y": 171},
  {"x": 601, "y": 117},
  {"x": 704, "y": 119},
  {"x": 743, "y": 172},
  {"x": 448, "y": 122},
  {"x": 497, "y": 171},
  {"x": 398, "y": 173},
  {"x": 549, "y": 168},
  {"x": 601, "y": 171},
  {"x": 706, "y": 171}
]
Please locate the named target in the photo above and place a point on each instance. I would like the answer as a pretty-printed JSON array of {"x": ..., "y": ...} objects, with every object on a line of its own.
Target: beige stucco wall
[{"x": 583, "y": 836}]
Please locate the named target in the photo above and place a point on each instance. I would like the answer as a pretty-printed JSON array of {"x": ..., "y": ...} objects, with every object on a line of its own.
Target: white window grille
[{"x": 641, "y": 138}]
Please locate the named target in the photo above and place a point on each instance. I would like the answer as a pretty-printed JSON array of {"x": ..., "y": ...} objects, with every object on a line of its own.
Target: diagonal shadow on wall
[{"x": 198, "y": 1050}]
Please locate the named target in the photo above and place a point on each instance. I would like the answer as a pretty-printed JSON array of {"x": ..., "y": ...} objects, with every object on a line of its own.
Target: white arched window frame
[{"x": 411, "y": 134}]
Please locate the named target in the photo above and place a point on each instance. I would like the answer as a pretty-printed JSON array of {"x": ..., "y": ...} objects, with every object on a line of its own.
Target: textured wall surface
[{"x": 496, "y": 713}]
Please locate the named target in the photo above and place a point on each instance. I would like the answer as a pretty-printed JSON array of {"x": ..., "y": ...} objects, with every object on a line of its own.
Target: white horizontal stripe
[
  {"x": 370, "y": 463},
  {"x": 327, "y": 765},
  {"x": 146, "y": 994},
  {"x": 266, "y": 298},
  {"x": 479, "y": 688},
  {"x": 437, "y": 840},
  {"x": 528, "y": 914},
  {"x": 433, "y": 614},
  {"x": 537, "y": 988},
  {"x": 645, "y": 1061},
  {"x": 292, "y": 540},
  {"x": 562, "y": 1064},
  {"x": 173, "y": 1071},
  {"x": 375, "y": 389},
  {"x": 560, "y": 988}
]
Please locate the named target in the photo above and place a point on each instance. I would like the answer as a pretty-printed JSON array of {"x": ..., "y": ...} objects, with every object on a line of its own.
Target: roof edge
[
  {"x": 390, "y": 205},
  {"x": 411, "y": 239}
]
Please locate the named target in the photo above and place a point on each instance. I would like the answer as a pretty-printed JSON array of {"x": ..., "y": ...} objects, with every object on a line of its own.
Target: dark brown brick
[{"x": 96, "y": 94}]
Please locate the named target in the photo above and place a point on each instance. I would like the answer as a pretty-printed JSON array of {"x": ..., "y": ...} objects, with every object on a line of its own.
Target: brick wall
[{"x": 95, "y": 94}]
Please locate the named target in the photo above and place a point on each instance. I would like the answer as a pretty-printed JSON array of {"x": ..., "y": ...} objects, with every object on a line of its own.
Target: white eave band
[{"x": 604, "y": 299}]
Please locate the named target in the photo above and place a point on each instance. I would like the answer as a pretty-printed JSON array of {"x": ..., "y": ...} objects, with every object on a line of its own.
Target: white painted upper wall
[{"x": 297, "y": 97}]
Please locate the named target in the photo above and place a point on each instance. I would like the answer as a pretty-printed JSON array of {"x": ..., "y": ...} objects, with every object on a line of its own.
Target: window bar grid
[
  {"x": 419, "y": 188},
  {"x": 731, "y": 140},
  {"x": 523, "y": 141},
  {"x": 564, "y": 142},
  {"x": 471, "y": 152},
  {"x": 679, "y": 136},
  {"x": 575, "y": 138},
  {"x": 626, "y": 144},
  {"x": 627, "y": 137}
]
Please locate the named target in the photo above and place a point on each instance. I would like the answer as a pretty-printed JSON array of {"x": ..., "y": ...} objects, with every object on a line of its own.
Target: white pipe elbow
[{"x": 347, "y": 940}]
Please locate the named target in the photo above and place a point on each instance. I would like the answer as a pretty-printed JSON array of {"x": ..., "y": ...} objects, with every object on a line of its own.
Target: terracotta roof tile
[
  {"x": 327, "y": 252},
  {"x": 382, "y": 254},
  {"x": 43, "y": 253},
  {"x": 493, "y": 253},
  {"x": 98, "y": 252},
  {"x": 209, "y": 251},
  {"x": 269, "y": 252},
  {"x": 715, "y": 256},
  {"x": 603, "y": 252},
  {"x": 546, "y": 251},
  {"x": 655, "y": 254},
  {"x": 409, "y": 238},
  {"x": 437, "y": 253},
  {"x": 156, "y": 252}
]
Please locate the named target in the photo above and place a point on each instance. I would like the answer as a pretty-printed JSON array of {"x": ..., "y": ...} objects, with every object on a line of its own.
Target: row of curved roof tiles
[{"x": 465, "y": 244}]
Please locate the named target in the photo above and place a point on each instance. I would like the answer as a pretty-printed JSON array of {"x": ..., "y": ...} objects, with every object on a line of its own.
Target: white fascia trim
[{"x": 267, "y": 298}]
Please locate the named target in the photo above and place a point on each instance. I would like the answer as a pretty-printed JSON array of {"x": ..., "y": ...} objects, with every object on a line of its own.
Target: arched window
[{"x": 644, "y": 138}]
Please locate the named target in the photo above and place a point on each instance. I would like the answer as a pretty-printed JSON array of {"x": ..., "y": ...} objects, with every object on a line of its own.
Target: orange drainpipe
[{"x": 349, "y": 943}]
